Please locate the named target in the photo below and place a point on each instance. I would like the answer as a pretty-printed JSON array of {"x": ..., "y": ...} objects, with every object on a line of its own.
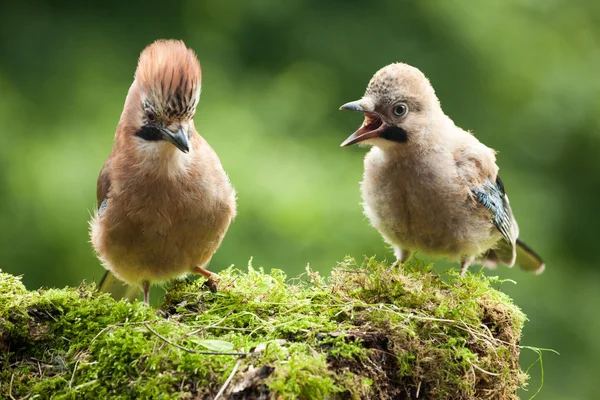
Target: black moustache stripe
[
  {"x": 394, "y": 134},
  {"x": 150, "y": 133}
]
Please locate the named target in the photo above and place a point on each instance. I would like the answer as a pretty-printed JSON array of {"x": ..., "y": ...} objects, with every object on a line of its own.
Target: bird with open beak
[
  {"x": 428, "y": 185},
  {"x": 165, "y": 202}
]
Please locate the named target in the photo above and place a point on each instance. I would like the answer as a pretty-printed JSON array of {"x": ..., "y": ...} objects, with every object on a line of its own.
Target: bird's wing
[
  {"x": 103, "y": 186},
  {"x": 476, "y": 165},
  {"x": 109, "y": 283},
  {"x": 493, "y": 197}
]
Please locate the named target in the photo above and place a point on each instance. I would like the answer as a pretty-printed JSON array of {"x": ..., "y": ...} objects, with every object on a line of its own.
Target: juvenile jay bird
[
  {"x": 428, "y": 185},
  {"x": 165, "y": 201}
]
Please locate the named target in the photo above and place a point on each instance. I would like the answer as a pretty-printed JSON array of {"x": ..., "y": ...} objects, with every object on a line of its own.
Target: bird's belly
[
  {"x": 419, "y": 221},
  {"x": 157, "y": 244}
]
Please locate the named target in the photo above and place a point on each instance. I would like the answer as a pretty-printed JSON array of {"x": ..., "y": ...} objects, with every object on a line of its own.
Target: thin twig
[
  {"x": 119, "y": 324},
  {"x": 484, "y": 371},
  {"x": 229, "y": 328},
  {"x": 12, "y": 377},
  {"x": 457, "y": 323},
  {"x": 229, "y": 379},
  {"x": 73, "y": 374},
  {"x": 387, "y": 353},
  {"x": 215, "y": 325},
  {"x": 213, "y": 353}
]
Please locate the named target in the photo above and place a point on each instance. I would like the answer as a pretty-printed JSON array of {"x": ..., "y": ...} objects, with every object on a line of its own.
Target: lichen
[{"x": 366, "y": 332}]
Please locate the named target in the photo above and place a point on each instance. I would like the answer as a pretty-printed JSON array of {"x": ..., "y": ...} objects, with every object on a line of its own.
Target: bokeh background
[{"x": 521, "y": 74}]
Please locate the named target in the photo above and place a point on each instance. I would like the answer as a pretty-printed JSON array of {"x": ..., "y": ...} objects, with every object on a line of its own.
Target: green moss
[{"x": 366, "y": 332}]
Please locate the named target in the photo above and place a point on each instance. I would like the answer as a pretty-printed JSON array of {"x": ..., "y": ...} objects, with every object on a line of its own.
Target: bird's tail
[
  {"x": 528, "y": 259},
  {"x": 118, "y": 289},
  {"x": 519, "y": 254}
]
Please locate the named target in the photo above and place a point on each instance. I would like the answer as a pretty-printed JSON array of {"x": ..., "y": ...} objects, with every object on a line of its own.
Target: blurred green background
[{"x": 521, "y": 74}]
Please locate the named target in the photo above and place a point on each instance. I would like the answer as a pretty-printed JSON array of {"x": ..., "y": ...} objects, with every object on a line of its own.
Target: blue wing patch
[
  {"x": 102, "y": 207},
  {"x": 492, "y": 196}
]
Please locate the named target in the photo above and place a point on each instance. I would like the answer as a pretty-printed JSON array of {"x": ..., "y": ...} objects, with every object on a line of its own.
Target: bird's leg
[
  {"x": 211, "y": 281},
  {"x": 146, "y": 289},
  {"x": 401, "y": 256},
  {"x": 464, "y": 264},
  {"x": 406, "y": 254}
]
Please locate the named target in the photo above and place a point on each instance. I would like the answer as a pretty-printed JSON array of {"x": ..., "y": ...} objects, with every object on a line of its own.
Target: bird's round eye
[
  {"x": 150, "y": 116},
  {"x": 400, "y": 110}
]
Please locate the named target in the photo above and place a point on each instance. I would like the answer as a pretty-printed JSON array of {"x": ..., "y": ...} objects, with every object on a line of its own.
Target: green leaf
[{"x": 216, "y": 345}]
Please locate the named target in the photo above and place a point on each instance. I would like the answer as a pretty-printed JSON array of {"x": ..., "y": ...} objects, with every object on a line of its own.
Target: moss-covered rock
[{"x": 370, "y": 332}]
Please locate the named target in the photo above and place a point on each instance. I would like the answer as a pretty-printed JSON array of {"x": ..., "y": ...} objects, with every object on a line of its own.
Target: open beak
[
  {"x": 179, "y": 139},
  {"x": 371, "y": 127}
]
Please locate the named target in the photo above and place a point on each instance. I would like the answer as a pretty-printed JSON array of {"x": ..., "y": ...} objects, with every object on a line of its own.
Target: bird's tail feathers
[
  {"x": 503, "y": 253},
  {"x": 528, "y": 259},
  {"x": 118, "y": 289},
  {"x": 508, "y": 254}
]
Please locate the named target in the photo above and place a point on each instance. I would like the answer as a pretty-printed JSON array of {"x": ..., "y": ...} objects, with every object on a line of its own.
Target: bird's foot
[
  {"x": 395, "y": 264},
  {"x": 212, "y": 281}
]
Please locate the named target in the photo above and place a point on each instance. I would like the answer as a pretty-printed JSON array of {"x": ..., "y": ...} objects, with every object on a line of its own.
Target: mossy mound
[{"x": 370, "y": 332}]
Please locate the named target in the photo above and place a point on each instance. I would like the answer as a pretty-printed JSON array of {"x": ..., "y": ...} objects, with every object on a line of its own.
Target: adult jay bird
[{"x": 165, "y": 202}]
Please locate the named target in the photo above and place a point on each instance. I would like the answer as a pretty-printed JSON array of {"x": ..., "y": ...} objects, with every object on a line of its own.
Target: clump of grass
[{"x": 366, "y": 332}]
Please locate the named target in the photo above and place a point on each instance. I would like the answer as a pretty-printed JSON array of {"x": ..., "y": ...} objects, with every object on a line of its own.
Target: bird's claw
[{"x": 212, "y": 283}]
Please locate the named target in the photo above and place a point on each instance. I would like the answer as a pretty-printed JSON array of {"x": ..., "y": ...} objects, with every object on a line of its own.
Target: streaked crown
[{"x": 169, "y": 75}]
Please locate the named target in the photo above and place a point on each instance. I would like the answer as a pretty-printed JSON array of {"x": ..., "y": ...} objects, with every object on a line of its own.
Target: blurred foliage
[{"x": 521, "y": 74}]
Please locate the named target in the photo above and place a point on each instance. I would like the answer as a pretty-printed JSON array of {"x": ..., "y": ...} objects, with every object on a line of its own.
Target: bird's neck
[{"x": 162, "y": 158}]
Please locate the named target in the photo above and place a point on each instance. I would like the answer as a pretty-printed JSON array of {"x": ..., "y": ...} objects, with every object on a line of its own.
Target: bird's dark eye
[
  {"x": 400, "y": 110},
  {"x": 150, "y": 116}
]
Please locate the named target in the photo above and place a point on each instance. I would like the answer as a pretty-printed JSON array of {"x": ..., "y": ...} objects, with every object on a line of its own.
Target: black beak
[{"x": 179, "y": 139}]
